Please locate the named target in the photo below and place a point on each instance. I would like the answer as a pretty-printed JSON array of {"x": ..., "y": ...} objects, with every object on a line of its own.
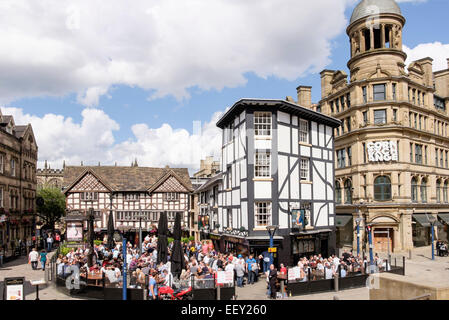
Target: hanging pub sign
[
  {"x": 301, "y": 216},
  {"x": 382, "y": 151},
  {"x": 75, "y": 231},
  {"x": 13, "y": 288}
]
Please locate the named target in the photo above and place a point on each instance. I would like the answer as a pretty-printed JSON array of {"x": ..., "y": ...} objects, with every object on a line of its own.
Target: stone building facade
[
  {"x": 392, "y": 150},
  {"x": 48, "y": 177},
  {"x": 18, "y": 161}
]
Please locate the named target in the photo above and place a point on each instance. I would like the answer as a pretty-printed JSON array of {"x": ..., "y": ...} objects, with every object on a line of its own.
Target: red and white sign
[{"x": 225, "y": 277}]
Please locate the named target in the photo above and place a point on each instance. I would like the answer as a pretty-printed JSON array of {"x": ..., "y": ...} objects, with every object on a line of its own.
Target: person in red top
[{"x": 283, "y": 269}]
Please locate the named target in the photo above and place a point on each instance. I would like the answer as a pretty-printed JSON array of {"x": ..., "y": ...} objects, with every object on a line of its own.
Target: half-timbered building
[
  {"x": 277, "y": 159},
  {"x": 136, "y": 195}
]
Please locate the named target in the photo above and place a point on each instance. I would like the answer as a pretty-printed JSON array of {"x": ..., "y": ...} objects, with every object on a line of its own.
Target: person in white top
[{"x": 33, "y": 258}]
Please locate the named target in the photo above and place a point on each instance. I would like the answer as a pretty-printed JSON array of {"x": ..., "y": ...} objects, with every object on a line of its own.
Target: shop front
[
  {"x": 234, "y": 244},
  {"x": 443, "y": 228},
  {"x": 421, "y": 230},
  {"x": 258, "y": 245},
  {"x": 345, "y": 231},
  {"x": 309, "y": 243}
]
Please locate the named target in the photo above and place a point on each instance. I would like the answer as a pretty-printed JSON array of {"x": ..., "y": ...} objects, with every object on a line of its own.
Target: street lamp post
[
  {"x": 432, "y": 219},
  {"x": 271, "y": 231},
  {"x": 140, "y": 228},
  {"x": 358, "y": 220},
  {"x": 370, "y": 240}
]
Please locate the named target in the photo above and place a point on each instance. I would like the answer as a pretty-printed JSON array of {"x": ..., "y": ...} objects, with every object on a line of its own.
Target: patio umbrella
[
  {"x": 91, "y": 237},
  {"x": 177, "y": 257},
  {"x": 162, "y": 244},
  {"x": 110, "y": 244}
]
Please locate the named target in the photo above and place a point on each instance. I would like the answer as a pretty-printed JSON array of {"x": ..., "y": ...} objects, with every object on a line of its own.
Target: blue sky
[{"x": 146, "y": 111}]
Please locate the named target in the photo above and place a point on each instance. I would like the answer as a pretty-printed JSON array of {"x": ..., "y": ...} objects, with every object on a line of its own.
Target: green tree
[{"x": 52, "y": 206}]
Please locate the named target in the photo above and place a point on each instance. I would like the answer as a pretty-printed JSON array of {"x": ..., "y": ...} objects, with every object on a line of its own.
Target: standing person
[
  {"x": 272, "y": 278},
  {"x": 250, "y": 269},
  {"x": 43, "y": 257},
  {"x": 32, "y": 258},
  {"x": 49, "y": 242},
  {"x": 152, "y": 286},
  {"x": 240, "y": 272}
]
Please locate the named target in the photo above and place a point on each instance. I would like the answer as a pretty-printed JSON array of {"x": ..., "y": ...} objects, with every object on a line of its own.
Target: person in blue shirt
[
  {"x": 43, "y": 259},
  {"x": 250, "y": 269},
  {"x": 152, "y": 287}
]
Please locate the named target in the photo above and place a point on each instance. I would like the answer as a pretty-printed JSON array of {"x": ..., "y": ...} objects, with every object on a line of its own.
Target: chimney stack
[
  {"x": 326, "y": 78},
  {"x": 304, "y": 96}
]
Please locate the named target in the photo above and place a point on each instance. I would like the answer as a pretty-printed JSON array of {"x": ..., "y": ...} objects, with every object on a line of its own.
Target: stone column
[
  {"x": 371, "y": 32},
  {"x": 362, "y": 41}
]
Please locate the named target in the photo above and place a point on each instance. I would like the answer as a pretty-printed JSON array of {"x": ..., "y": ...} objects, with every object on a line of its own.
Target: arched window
[
  {"x": 348, "y": 191},
  {"x": 337, "y": 192},
  {"x": 445, "y": 192},
  {"x": 382, "y": 188},
  {"x": 424, "y": 191},
  {"x": 414, "y": 190},
  {"x": 438, "y": 191}
]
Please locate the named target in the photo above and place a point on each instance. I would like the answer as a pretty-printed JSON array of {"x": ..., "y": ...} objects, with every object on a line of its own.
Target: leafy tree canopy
[{"x": 52, "y": 206}]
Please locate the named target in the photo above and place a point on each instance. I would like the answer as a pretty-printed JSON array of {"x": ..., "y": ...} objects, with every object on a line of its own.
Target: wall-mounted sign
[
  {"x": 382, "y": 151},
  {"x": 13, "y": 289},
  {"x": 301, "y": 216}
]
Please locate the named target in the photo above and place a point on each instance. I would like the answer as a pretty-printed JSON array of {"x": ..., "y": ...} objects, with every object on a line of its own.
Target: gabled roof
[
  {"x": 168, "y": 174},
  {"x": 211, "y": 182},
  {"x": 282, "y": 105},
  {"x": 126, "y": 178}
]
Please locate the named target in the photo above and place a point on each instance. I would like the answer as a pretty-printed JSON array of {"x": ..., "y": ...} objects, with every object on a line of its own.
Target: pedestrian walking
[
  {"x": 49, "y": 242},
  {"x": 43, "y": 257},
  {"x": 250, "y": 267},
  {"x": 33, "y": 258}
]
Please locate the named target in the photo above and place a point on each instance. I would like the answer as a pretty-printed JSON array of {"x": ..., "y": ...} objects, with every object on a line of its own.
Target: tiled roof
[
  {"x": 126, "y": 178},
  {"x": 211, "y": 182}
]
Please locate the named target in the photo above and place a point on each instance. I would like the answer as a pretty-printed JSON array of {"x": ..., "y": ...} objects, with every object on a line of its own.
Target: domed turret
[
  {"x": 368, "y": 8},
  {"x": 375, "y": 33}
]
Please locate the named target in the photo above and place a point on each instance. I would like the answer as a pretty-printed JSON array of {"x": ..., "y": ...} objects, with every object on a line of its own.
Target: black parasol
[
  {"x": 162, "y": 243},
  {"x": 177, "y": 257}
]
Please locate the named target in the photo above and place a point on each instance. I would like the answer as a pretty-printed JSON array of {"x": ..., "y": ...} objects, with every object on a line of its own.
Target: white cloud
[
  {"x": 57, "y": 47},
  {"x": 92, "y": 141},
  {"x": 437, "y": 51}
]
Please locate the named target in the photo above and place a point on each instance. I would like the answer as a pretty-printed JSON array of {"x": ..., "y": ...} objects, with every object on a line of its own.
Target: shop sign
[
  {"x": 305, "y": 237},
  {"x": 13, "y": 288},
  {"x": 214, "y": 237},
  {"x": 382, "y": 151},
  {"x": 272, "y": 250}
]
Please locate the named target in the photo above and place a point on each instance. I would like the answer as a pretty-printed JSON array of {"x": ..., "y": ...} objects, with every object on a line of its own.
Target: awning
[
  {"x": 444, "y": 217},
  {"x": 341, "y": 221},
  {"x": 422, "y": 220}
]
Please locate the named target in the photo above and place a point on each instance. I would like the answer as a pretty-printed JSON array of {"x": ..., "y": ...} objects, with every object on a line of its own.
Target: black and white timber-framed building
[{"x": 277, "y": 158}]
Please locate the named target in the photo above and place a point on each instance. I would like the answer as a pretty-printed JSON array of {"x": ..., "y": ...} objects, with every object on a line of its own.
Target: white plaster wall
[
  {"x": 306, "y": 191},
  {"x": 283, "y": 216},
  {"x": 262, "y": 189},
  {"x": 283, "y": 175},
  {"x": 319, "y": 187},
  {"x": 305, "y": 151},
  {"x": 283, "y": 138},
  {"x": 320, "y": 216}
]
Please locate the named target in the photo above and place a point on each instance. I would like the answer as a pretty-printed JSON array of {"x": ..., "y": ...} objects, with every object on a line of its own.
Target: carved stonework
[{"x": 397, "y": 36}]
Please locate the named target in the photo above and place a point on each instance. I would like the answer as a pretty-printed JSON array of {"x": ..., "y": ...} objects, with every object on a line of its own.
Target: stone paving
[{"x": 21, "y": 268}]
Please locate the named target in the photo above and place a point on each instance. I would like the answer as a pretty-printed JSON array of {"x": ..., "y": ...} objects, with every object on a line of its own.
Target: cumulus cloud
[
  {"x": 92, "y": 140},
  {"x": 58, "y": 47},
  {"x": 437, "y": 51}
]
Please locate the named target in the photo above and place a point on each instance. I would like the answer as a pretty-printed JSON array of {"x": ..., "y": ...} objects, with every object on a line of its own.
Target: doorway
[{"x": 383, "y": 239}]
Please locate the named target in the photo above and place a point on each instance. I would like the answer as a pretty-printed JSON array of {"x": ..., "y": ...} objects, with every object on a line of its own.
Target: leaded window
[
  {"x": 414, "y": 190},
  {"x": 262, "y": 165},
  {"x": 262, "y": 214},
  {"x": 304, "y": 131},
  {"x": 262, "y": 124},
  {"x": 304, "y": 170}
]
